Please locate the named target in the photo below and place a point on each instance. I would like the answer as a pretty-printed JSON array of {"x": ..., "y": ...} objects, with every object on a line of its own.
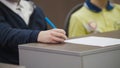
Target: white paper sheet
[{"x": 95, "y": 41}]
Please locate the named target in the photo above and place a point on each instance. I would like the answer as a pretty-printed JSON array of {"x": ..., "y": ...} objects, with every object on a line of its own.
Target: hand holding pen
[{"x": 54, "y": 35}]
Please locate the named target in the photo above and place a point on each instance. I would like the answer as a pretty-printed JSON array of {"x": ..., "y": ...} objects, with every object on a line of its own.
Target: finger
[
  {"x": 59, "y": 35},
  {"x": 60, "y": 31},
  {"x": 53, "y": 41},
  {"x": 57, "y": 39}
]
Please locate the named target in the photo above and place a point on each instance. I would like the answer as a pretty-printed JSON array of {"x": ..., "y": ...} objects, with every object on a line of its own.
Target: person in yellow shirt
[{"x": 95, "y": 16}]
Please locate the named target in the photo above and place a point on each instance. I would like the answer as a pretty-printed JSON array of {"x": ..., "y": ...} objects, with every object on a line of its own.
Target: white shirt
[{"x": 24, "y": 9}]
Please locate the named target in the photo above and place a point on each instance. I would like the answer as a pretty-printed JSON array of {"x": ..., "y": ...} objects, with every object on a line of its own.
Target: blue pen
[{"x": 49, "y": 22}]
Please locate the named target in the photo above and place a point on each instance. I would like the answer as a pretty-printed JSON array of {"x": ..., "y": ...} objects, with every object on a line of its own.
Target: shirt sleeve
[{"x": 76, "y": 27}]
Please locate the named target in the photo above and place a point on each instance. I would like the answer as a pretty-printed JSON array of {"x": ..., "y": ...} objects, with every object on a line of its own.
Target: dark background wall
[{"x": 57, "y": 10}]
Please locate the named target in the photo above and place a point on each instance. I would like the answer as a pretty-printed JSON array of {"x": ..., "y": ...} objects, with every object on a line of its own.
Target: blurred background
[{"x": 57, "y": 10}]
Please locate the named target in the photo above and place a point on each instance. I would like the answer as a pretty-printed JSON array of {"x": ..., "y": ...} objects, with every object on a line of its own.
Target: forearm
[{"x": 14, "y": 36}]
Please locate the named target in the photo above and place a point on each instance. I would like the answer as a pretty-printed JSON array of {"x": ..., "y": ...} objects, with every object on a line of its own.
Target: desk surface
[
  {"x": 74, "y": 49},
  {"x": 4, "y": 65}
]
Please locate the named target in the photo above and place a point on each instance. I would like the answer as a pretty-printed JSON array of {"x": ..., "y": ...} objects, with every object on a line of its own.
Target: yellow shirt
[{"x": 85, "y": 21}]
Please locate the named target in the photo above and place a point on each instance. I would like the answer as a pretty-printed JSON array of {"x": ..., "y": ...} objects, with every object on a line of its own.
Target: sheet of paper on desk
[{"x": 95, "y": 41}]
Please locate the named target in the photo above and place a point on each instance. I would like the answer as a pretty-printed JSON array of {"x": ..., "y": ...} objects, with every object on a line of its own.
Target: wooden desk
[
  {"x": 4, "y": 65},
  {"x": 38, "y": 55}
]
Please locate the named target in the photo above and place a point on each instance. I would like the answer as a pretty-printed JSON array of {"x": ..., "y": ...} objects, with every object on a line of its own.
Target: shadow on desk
[{"x": 4, "y": 65}]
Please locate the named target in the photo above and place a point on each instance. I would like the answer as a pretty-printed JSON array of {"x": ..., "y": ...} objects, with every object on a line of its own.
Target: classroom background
[{"x": 57, "y": 10}]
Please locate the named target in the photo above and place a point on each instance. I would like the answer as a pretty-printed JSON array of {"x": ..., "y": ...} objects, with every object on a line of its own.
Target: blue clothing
[{"x": 14, "y": 31}]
